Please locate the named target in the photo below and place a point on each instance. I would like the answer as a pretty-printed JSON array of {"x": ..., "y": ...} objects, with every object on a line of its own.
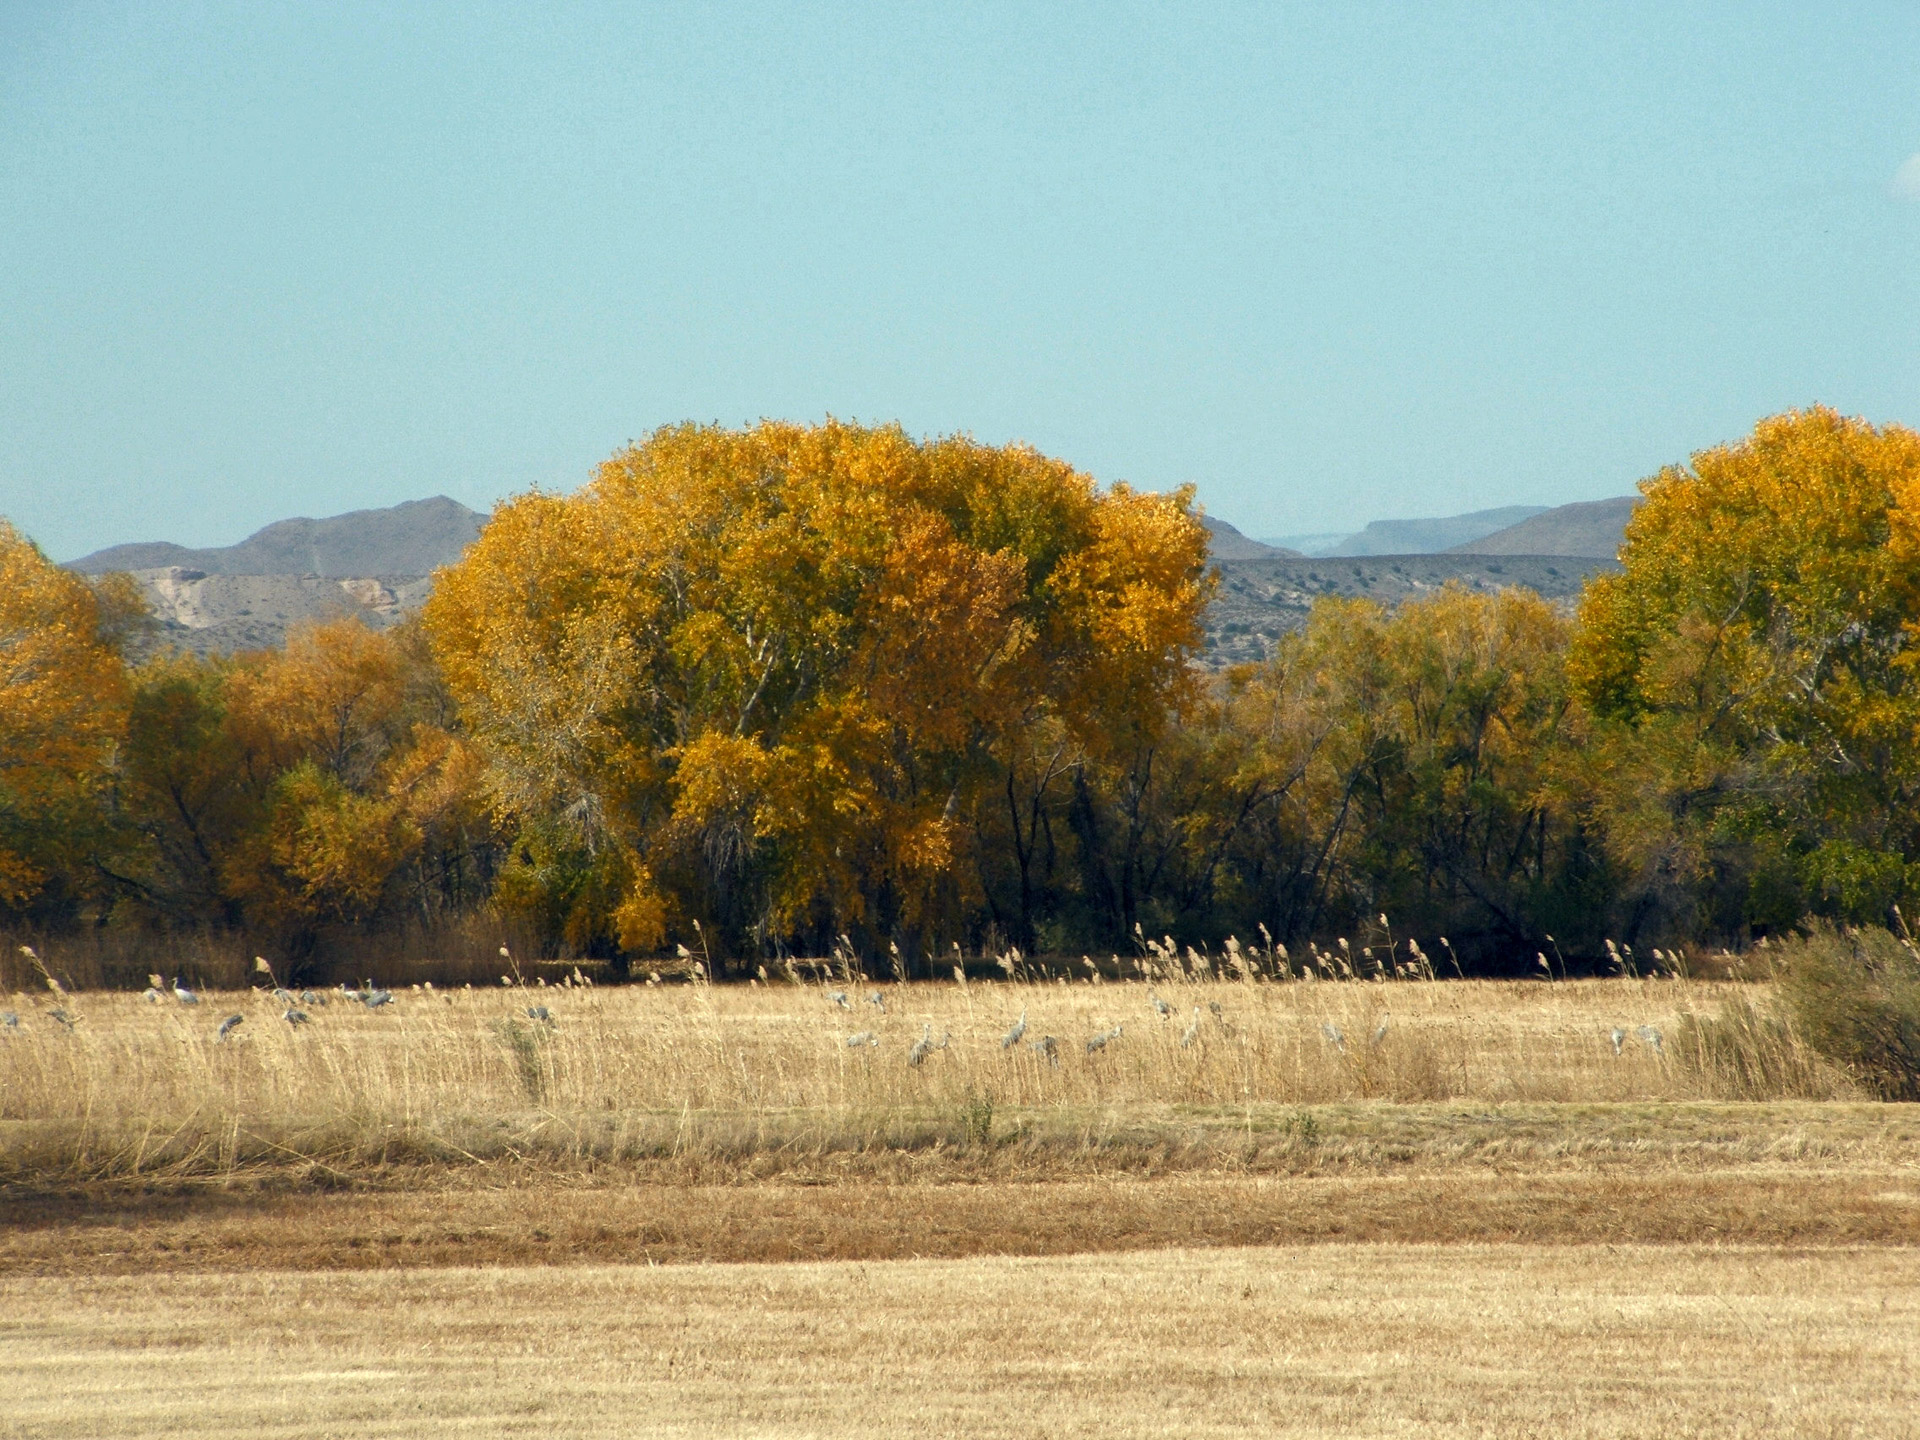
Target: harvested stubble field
[
  {"x": 162, "y": 1187},
  {"x": 1502, "y": 1341}
]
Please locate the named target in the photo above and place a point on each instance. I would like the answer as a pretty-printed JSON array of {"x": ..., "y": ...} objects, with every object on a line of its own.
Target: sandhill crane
[
  {"x": 926, "y": 1044},
  {"x": 1334, "y": 1037},
  {"x": 294, "y": 1017},
  {"x": 1192, "y": 1032},
  {"x": 1161, "y": 1007},
  {"x": 1619, "y": 1038},
  {"x": 1650, "y": 1037},
  {"x": 228, "y": 1025},
  {"x": 1048, "y": 1046},
  {"x": 183, "y": 994},
  {"x": 866, "y": 1037},
  {"x": 1012, "y": 1037},
  {"x": 283, "y": 995},
  {"x": 62, "y": 1016},
  {"x": 1380, "y": 1032},
  {"x": 314, "y": 997},
  {"x": 373, "y": 999},
  {"x": 540, "y": 1013},
  {"x": 876, "y": 998},
  {"x": 1104, "y": 1039},
  {"x": 155, "y": 988},
  {"x": 839, "y": 997}
]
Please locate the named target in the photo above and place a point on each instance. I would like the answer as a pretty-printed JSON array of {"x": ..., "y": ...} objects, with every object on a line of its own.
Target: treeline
[{"x": 756, "y": 693}]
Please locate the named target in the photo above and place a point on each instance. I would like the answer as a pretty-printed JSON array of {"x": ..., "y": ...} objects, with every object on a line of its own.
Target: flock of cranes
[{"x": 296, "y": 1008}]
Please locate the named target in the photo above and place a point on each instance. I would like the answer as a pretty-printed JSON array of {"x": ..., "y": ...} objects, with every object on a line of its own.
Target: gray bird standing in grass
[
  {"x": 1104, "y": 1039},
  {"x": 228, "y": 1025},
  {"x": 926, "y": 1044},
  {"x": 1012, "y": 1037},
  {"x": 183, "y": 994}
]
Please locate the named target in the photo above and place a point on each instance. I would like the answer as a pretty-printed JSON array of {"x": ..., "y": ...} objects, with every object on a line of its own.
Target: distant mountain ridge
[
  {"x": 378, "y": 565},
  {"x": 415, "y": 537}
]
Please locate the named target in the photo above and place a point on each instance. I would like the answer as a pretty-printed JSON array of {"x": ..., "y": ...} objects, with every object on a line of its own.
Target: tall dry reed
[{"x": 124, "y": 1084}]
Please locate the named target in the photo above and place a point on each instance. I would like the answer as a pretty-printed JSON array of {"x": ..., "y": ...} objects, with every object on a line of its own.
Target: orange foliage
[
  {"x": 764, "y": 669},
  {"x": 62, "y": 708}
]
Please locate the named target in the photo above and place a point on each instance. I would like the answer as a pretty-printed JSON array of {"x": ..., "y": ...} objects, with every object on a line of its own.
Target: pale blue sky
[{"x": 1331, "y": 263}]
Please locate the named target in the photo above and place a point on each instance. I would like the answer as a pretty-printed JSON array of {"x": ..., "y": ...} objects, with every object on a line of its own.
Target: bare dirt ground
[
  {"x": 1378, "y": 1340},
  {"x": 570, "y": 1219}
]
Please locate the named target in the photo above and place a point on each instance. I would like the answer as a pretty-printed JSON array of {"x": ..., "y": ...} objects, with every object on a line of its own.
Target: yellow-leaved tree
[
  {"x": 1752, "y": 673},
  {"x": 772, "y": 681},
  {"x": 62, "y": 708}
]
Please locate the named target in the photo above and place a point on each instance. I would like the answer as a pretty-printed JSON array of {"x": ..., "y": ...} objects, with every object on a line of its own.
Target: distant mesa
[
  {"x": 1434, "y": 535},
  {"x": 414, "y": 538},
  {"x": 1590, "y": 528}
]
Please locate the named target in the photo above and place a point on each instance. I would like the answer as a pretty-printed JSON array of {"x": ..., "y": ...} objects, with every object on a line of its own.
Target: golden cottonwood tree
[
  {"x": 296, "y": 791},
  {"x": 62, "y": 706},
  {"x": 353, "y": 785},
  {"x": 1753, "y": 670},
  {"x": 764, "y": 678}
]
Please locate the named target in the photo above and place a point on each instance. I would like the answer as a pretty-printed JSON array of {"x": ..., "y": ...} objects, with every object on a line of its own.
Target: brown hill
[
  {"x": 1589, "y": 528},
  {"x": 1226, "y": 543}
]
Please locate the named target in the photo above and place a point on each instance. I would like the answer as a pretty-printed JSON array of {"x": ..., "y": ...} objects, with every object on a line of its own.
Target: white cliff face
[
  {"x": 373, "y": 595},
  {"x": 210, "y": 613},
  {"x": 175, "y": 594}
]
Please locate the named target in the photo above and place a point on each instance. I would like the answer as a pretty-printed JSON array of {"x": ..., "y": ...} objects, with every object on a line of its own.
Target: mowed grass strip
[
  {"x": 1486, "y": 1341},
  {"x": 566, "y": 1221}
]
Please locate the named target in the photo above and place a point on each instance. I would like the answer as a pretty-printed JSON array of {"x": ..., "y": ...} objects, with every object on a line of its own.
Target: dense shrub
[{"x": 1855, "y": 996}]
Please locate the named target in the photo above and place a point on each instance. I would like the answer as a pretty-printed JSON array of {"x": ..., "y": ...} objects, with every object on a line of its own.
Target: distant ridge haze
[
  {"x": 1588, "y": 529},
  {"x": 1432, "y": 535}
]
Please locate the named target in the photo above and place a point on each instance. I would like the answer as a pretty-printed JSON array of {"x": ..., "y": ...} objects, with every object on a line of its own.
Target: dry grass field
[
  {"x": 1330, "y": 1340},
  {"x": 1600, "y": 1207},
  {"x": 124, "y": 1087}
]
